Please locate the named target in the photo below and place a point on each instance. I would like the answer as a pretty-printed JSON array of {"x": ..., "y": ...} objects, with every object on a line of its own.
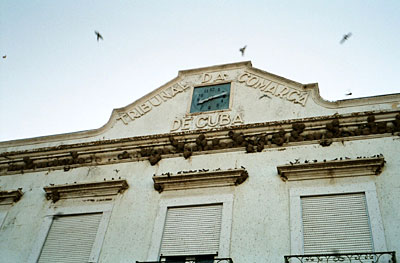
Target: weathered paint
[{"x": 260, "y": 226}]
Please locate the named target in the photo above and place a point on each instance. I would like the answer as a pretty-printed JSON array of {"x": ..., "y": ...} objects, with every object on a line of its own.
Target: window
[
  {"x": 70, "y": 238},
  {"x": 335, "y": 224},
  {"x": 73, "y": 229},
  {"x": 335, "y": 219},
  {"x": 191, "y": 229},
  {"x": 72, "y": 234}
]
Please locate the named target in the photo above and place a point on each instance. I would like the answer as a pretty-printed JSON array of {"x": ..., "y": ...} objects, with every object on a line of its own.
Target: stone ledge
[
  {"x": 96, "y": 189},
  {"x": 10, "y": 197},
  {"x": 332, "y": 169},
  {"x": 199, "y": 179},
  {"x": 255, "y": 137}
]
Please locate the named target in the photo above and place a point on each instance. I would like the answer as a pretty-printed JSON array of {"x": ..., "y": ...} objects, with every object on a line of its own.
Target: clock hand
[{"x": 211, "y": 98}]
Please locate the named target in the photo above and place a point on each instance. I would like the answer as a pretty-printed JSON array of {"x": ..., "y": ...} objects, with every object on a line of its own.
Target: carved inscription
[
  {"x": 269, "y": 87},
  {"x": 214, "y": 77},
  {"x": 155, "y": 101},
  {"x": 206, "y": 121}
]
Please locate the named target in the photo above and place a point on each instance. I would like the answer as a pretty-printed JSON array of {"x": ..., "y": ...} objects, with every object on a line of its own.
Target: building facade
[{"x": 227, "y": 163}]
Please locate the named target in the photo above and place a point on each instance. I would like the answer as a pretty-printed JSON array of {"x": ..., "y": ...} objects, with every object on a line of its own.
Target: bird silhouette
[
  {"x": 5, "y": 56},
  {"x": 98, "y": 36},
  {"x": 345, "y": 37},
  {"x": 242, "y": 50},
  {"x": 349, "y": 94},
  {"x": 265, "y": 95}
]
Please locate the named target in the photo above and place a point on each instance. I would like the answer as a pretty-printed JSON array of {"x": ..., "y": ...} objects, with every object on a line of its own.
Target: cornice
[
  {"x": 199, "y": 179},
  {"x": 246, "y": 65},
  {"x": 348, "y": 103},
  {"x": 81, "y": 190},
  {"x": 10, "y": 197},
  {"x": 117, "y": 111},
  {"x": 323, "y": 130},
  {"x": 332, "y": 169}
]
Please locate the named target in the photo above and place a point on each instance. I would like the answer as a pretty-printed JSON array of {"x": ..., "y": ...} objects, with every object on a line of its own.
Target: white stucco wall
[{"x": 260, "y": 227}]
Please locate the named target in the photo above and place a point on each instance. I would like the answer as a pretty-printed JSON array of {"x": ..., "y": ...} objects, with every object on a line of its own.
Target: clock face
[{"x": 210, "y": 98}]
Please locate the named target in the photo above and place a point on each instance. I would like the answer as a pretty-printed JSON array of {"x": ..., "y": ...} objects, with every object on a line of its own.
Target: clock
[{"x": 211, "y": 98}]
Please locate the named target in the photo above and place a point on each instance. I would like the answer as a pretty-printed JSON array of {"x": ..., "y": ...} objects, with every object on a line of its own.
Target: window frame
[
  {"x": 3, "y": 214},
  {"x": 375, "y": 218},
  {"x": 226, "y": 222},
  {"x": 105, "y": 209}
]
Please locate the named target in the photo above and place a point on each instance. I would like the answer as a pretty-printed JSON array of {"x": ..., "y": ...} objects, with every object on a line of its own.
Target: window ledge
[
  {"x": 96, "y": 189},
  {"x": 10, "y": 197},
  {"x": 199, "y": 179},
  {"x": 332, "y": 169}
]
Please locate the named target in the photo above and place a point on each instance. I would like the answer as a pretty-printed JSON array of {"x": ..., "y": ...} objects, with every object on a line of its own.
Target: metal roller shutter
[
  {"x": 70, "y": 239},
  {"x": 192, "y": 230},
  {"x": 336, "y": 224}
]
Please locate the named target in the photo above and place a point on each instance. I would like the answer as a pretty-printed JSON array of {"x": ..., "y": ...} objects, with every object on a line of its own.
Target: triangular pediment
[
  {"x": 218, "y": 97},
  {"x": 247, "y": 95},
  {"x": 251, "y": 95}
]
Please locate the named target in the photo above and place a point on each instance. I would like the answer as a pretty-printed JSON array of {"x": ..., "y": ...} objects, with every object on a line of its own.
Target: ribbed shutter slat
[
  {"x": 70, "y": 239},
  {"x": 192, "y": 230},
  {"x": 336, "y": 224}
]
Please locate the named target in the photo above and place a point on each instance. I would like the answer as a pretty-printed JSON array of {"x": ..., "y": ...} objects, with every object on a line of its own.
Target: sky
[{"x": 56, "y": 78}]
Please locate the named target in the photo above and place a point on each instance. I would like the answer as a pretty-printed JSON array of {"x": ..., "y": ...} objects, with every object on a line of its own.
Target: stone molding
[
  {"x": 199, "y": 179},
  {"x": 81, "y": 190},
  {"x": 323, "y": 130},
  {"x": 332, "y": 169},
  {"x": 10, "y": 197}
]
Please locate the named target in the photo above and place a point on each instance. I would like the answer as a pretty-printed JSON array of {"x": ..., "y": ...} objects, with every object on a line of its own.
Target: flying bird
[
  {"x": 345, "y": 37},
  {"x": 349, "y": 94},
  {"x": 265, "y": 95},
  {"x": 98, "y": 36},
  {"x": 4, "y": 56},
  {"x": 242, "y": 50}
]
